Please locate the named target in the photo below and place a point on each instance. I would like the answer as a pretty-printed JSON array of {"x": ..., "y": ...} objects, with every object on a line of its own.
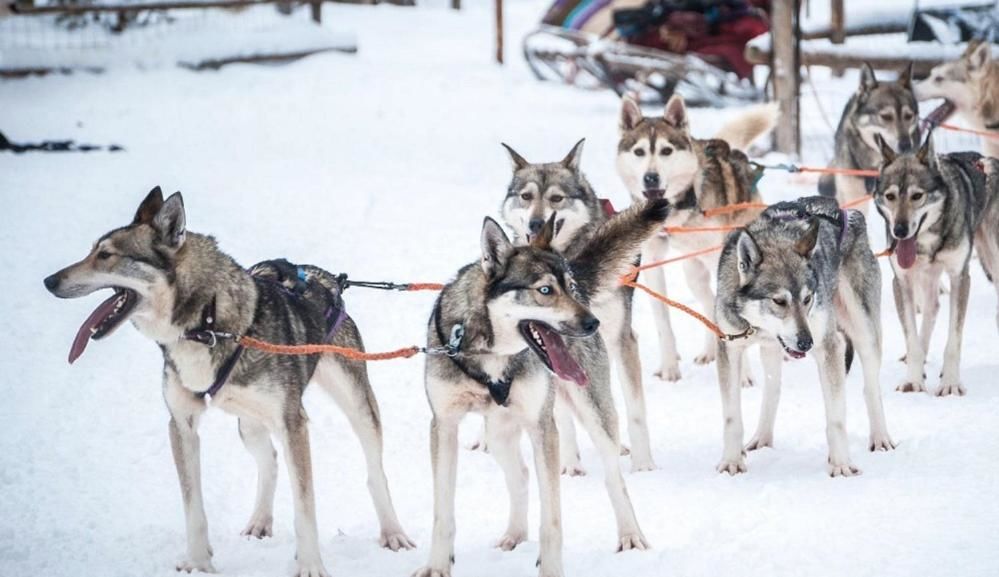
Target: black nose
[
  {"x": 905, "y": 145},
  {"x": 535, "y": 225},
  {"x": 651, "y": 180},
  {"x": 901, "y": 229},
  {"x": 804, "y": 342},
  {"x": 591, "y": 325},
  {"x": 51, "y": 282}
]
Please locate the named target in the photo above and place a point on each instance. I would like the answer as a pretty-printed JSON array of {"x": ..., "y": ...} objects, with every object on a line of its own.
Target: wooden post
[
  {"x": 786, "y": 76},
  {"x": 316, "y": 9},
  {"x": 837, "y": 30},
  {"x": 499, "y": 31},
  {"x": 456, "y": 4}
]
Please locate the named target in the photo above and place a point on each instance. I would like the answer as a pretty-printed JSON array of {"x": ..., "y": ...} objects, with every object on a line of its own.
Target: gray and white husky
[
  {"x": 537, "y": 191},
  {"x": 518, "y": 330},
  {"x": 936, "y": 209},
  {"x": 791, "y": 281},
  {"x": 658, "y": 158},
  {"x": 184, "y": 293},
  {"x": 877, "y": 108}
]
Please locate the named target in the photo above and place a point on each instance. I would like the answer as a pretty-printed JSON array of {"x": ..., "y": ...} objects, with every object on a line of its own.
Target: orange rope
[
  {"x": 886, "y": 252},
  {"x": 354, "y": 354},
  {"x": 734, "y": 208},
  {"x": 424, "y": 286},
  {"x": 845, "y": 171},
  {"x": 691, "y": 229},
  {"x": 856, "y": 201},
  {"x": 635, "y": 270},
  {"x": 670, "y": 302},
  {"x": 985, "y": 133}
]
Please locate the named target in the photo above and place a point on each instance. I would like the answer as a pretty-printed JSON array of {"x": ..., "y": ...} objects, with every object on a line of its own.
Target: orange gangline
[
  {"x": 670, "y": 302},
  {"x": 357, "y": 355},
  {"x": 955, "y": 128},
  {"x": 846, "y": 171}
]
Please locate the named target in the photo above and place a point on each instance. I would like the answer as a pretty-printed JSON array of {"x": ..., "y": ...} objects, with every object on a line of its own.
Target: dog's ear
[
  {"x": 868, "y": 81},
  {"x": 675, "y": 113},
  {"x": 170, "y": 222},
  {"x": 631, "y": 114},
  {"x": 495, "y": 247},
  {"x": 925, "y": 152},
  {"x": 518, "y": 160},
  {"x": 749, "y": 257},
  {"x": 888, "y": 155},
  {"x": 544, "y": 238},
  {"x": 905, "y": 77},
  {"x": 806, "y": 244},
  {"x": 571, "y": 160},
  {"x": 979, "y": 58},
  {"x": 149, "y": 207}
]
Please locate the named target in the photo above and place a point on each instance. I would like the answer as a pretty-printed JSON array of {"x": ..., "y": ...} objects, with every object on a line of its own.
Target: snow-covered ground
[{"x": 382, "y": 164}]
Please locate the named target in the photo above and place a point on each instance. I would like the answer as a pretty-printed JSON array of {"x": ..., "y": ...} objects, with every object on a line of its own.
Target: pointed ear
[
  {"x": 170, "y": 222},
  {"x": 979, "y": 58},
  {"x": 631, "y": 114},
  {"x": 925, "y": 153},
  {"x": 868, "y": 81},
  {"x": 749, "y": 257},
  {"x": 495, "y": 247},
  {"x": 905, "y": 77},
  {"x": 676, "y": 112},
  {"x": 888, "y": 155},
  {"x": 806, "y": 244},
  {"x": 544, "y": 238},
  {"x": 149, "y": 207},
  {"x": 571, "y": 160},
  {"x": 518, "y": 160}
]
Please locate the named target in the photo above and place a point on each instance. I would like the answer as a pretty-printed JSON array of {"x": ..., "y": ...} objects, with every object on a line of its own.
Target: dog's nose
[
  {"x": 51, "y": 282},
  {"x": 651, "y": 180},
  {"x": 901, "y": 230},
  {"x": 591, "y": 324},
  {"x": 535, "y": 225},
  {"x": 905, "y": 145},
  {"x": 804, "y": 342}
]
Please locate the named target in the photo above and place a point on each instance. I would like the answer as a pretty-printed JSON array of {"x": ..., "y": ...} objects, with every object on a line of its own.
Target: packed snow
[{"x": 382, "y": 165}]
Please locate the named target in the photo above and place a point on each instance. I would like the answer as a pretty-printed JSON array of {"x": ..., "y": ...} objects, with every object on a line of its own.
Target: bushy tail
[
  {"x": 611, "y": 251},
  {"x": 752, "y": 123}
]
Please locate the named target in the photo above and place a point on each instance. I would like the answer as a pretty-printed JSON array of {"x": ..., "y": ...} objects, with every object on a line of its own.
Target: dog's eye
[
  {"x": 639, "y": 152},
  {"x": 103, "y": 255},
  {"x": 780, "y": 301},
  {"x": 556, "y": 198},
  {"x": 887, "y": 117},
  {"x": 526, "y": 196},
  {"x": 917, "y": 197},
  {"x": 907, "y": 117},
  {"x": 807, "y": 300},
  {"x": 890, "y": 197},
  {"x": 938, "y": 80},
  {"x": 666, "y": 151},
  {"x": 545, "y": 290}
]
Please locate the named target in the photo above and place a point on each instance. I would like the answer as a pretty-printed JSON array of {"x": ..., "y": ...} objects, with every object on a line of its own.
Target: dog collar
[
  {"x": 750, "y": 331},
  {"x": 207, "y": 335}
]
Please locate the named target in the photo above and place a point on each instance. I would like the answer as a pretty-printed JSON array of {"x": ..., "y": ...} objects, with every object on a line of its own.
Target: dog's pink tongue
[
  {"x": 83, "y": 335},
  {"x": 562, "y": 362},
  {"x": 905, "y": 252}
]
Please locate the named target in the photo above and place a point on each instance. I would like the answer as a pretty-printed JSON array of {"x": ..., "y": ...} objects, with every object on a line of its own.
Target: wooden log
[
  {"x": 499, "y": 31},
  {"x": 786, "y": 75},
  {"x": 316, "y": 10},
  {"x": 456, "y": 4},
  {"x": 897, "y": 60}
]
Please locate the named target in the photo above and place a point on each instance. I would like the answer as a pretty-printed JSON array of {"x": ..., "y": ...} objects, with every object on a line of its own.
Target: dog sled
[{"x": 691, "y": 47}]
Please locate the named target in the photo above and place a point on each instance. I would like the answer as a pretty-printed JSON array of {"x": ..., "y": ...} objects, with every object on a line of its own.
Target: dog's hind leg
[
  {"x": 444, "y": 462},
  {"x": 623, "y": 348},
  {"x": 567, "y": 446},
  {"x": 504, "y": 435},
  {"x": 348, "y": 384},
  {"x": 595, "y": 408},
  {"x": 950, "y": 378},
  {"x": 773, "y": 361},
  {"x": 293, "y": 435},
  {"x": 257, "y": 440},
  {"x": 829, "y": 354},
  {"x": 544, "y": 438},
  {"x": 185, "y": 414},
  {"x": 669, "y": 369}
]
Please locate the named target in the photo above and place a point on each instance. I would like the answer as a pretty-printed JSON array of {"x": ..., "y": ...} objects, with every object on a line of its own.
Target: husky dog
[
  {"x": 936, "y": 208},
  {"x": 658, "y": 158},
  {"x": 792, "y": 280},
  {"x": 971, "y": 85},
  {"x": 180, "y": 290},
  {"x": 888, "y": 109},
  {"x": 535, "y": 193},
  {"x": 518, "y": 331}
]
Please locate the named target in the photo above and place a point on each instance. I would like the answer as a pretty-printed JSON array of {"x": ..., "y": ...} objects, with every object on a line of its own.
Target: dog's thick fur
[
  {"x": 174, "y": 275},
  {"x": 971, "y": 84},
  {"x": 536, "y": 191},
  {"x": 498, "y": 302},
  {"x": 797, "y": 276},
  {"x": 658, "y": 157},
  {"x": 938, "y": 207},
  {"x": 877, "y": 108}
]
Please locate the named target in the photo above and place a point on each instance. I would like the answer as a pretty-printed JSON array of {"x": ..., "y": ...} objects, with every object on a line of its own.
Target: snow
[{"x": 382, "y": 164}]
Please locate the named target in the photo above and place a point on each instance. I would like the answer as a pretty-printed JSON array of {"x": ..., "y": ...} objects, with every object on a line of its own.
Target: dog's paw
[
  {"x": 760, "y": 441},
  {"x": 634, "y": 541},
  {"x": 669, "y": 372},
  {"x": 625, "y": 451},
  {"x": 510, "y": 540},
  {"x": 395, "y": 540},
  {"x": 542, "y": 572},
  {"x": 705, "y": 358},
  {"x": 748, "y": 383},
  {"x": 732, "y": 466},
  {"x": 313, "y": 569},
  {"x": 260, "y": 526},
  {"x": 432, "y": 572},
  {"x": 881, "y": 442},
  {"x": 911, "y": 387},
  {"x": 642, "y": 465},
  {"x": 196, "y": 566},
  {"x": 846, "y": 469},
  {"x": 955, "y": 389},
  {"x": 574, "y": 469}
]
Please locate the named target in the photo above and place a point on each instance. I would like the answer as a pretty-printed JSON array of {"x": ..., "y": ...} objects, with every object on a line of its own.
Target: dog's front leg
[
  {"x": 544, "y": 437},
  {"x": 503, "y": 435},
  {"x": 185, "y": 415},
  {"x": 930, "y": 306},
  {"x": 950, "y": 378},
  {"x": 699, "y": 281},
  {"x": 773, "y": 361},
  {"x": 294, "y": 436},
  {"x": 654, "y": 250},
  {"x": 733, "y": 459},
  {"x": 829, "y": 355},
  {"x": 915, "y": 356},
  {"x": 568, "y": 447},
  {"x": 444, "y": 462}
]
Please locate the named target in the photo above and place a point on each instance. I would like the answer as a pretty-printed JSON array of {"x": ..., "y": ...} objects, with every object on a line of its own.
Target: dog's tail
[{"x": 752, "y": 122}]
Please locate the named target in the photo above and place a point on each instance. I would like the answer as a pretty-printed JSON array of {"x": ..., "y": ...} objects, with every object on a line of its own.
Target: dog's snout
[
  {"x": 804, "y": 342},
  {"x": 52, "y": 282},
  {"x": 901, "y": 230},
  {"x": 905, "y": 144},
  {"x": 591, "y": 324},
  {"x": 651, "y": 180},
  {"x": 535, "y": 225}
]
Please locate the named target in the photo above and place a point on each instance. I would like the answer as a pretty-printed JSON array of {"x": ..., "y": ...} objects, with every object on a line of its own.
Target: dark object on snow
[
  {"x": 54, "y": 146},
  {"x": 955, "y": 24}
]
